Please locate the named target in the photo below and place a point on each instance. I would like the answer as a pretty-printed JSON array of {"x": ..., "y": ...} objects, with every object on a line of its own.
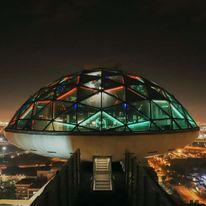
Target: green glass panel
[
  {"x": 118, "y": 112},
  {"x": 164, "y": 105},
  {"x": 39, "y": 124},
  {"x": 140, "y": 88},
  {"x": 94, "y": 101},
  {"x": 165, "y": 124},
  {"x": 108, "y": 100},
  {"x": 140, "y": 127},
  {"x": 174, "y": 125},
  {"x": 176, "y": 113},
  {"x": 84, "y": 129},
  {"x": 193, "y": 124},
  {"x": 84, "y": 112},
  {"x": 133, "y": 116},
  {"x": 143, "y": 107},
  {"x": 119, "y": 129},
  {"x": 118, "y": 92},
  {"x": 93, "y": 122},
  {"x": 182, "y": 123},
  {"x": 59, "y": 126},
  {"x": 154, "y": 127},
  {"x": 158, "y": 112},
  {"x": 109, "y": 122}
]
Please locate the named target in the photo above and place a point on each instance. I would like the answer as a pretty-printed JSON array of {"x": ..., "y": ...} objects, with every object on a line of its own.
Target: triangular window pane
[
  {"x": 87, "y": 78},
  {"x": 68, "y": 117},
  {"x": 175, "y": 125},
  {"x": 138, "y": 78},
  {"x": 63, "y": 89},
  {"x": 118, "y": 92},
  {"x": 116, "y": 78},
  {"x": 93, "y": 122},
  {"x": 140, "y": 127},
  {"x": 108, "y": 100},
  {"x": 176, "y": 113},
  {"x": 21, "y": 124},
  {"x": 141, "y": 88},
  {"x": 50, "y": 127},
  {"x": 133, "y": 116},
  {"x": 165, "y": 124},
  {"x": 153, "y": 94},
  {"x": 84, "y": 92},
  {"x": 39, "y": 124},
  {"x": 48, "y": 94},
  {"x": 143, "y": 107},
  {"x": 27, "y": 113},
  {"x": 131, "y": 81},
  {"x": 109, "y": 122},
  {"x": 59, "y": 126},
  {"x": 85, "y": 112},
  {"x": 154, "y": 127},
  {"x": 164, "y": 105},
  {"x": 45, "y": 113},
  {"x": 118, "y": 112},
  {"x": 119, "y": 129},
  {"x": 108, "y": 84},
  {"x": 133, "y": 96},
  {"x": 94, "y": 101},
  {"x": 95, "y": 84},
  {"x": 182, "y": 123},
  {"x": 61, "y": 107},
  {"x": 71, "y": 95},
  {"x": 157, "y": 112}
]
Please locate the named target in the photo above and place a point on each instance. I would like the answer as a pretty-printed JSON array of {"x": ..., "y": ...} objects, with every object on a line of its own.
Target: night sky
[{"x": 162, "y": 40}]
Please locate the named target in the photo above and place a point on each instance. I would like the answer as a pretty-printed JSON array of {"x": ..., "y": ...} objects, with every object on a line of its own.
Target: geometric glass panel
[
  {"x": 140, "y": 127},
  {"x": 109, "y": 122}
]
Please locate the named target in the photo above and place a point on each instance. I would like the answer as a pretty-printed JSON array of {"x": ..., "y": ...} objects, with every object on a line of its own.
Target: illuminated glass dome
[{"x": 102, "y": 101}]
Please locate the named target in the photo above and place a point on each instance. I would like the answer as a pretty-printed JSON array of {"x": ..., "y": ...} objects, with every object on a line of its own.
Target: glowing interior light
[
  {"x": 136, "y": 77},
  {"x": 114, "y": 89},
  {"x": 43, "y": 102},
  {"x": 112, "y": 118},
  {"x": 26, "y": 112},
  {"x": 67, "y": 93}
]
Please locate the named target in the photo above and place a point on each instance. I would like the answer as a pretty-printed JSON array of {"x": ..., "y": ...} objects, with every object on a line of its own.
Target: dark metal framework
[{"x": 102, "y": 101}]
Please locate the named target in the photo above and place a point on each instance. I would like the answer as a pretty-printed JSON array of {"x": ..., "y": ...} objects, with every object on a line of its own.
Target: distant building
[{"x": 27, "y": 187}]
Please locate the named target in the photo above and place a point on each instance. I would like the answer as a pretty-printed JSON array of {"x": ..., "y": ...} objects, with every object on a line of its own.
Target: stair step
[{"x": 102, "y": 178}]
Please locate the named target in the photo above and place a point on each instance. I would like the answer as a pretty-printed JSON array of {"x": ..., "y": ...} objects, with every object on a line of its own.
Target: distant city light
[{"x": 4, "y": 148}]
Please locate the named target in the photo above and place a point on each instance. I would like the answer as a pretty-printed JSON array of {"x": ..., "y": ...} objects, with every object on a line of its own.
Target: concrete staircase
[{"x": 102, "y": 174}]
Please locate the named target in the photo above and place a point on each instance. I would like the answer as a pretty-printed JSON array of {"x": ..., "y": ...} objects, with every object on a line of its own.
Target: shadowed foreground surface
[{"x": 101, "y": 198}]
